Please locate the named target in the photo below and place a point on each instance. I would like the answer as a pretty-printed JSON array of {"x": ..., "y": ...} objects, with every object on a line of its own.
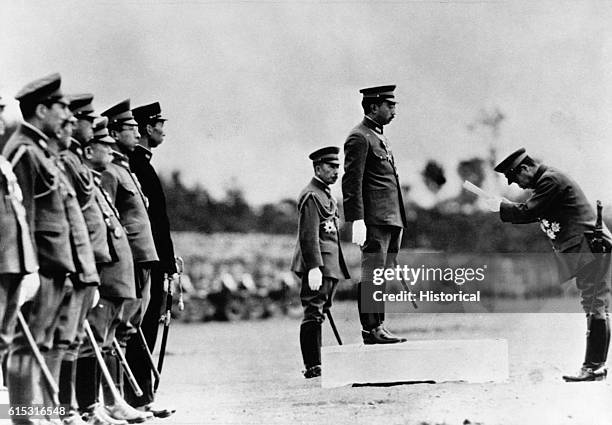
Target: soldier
[
  {"x": 117, "y": 286},
  {"x": 318, "y": 259},
  {"x": 17, "y": 256},
  {"x": 565, "y": 215},
  {"x": 44, "y": 109},
  {"x": 373, "y": 202},
  {"x": 151, "y": 129},
  {"x": 125, "y": 190}
]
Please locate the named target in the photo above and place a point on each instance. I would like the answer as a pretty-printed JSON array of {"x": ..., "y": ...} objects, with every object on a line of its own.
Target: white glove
[
  {"x": 315, "y": 279},
  {"x": 359, "y": 232},
  {"x": 29, "y": 287},
  {"x": 492, "y": 203},
  {"x": 96, "y": 298}
]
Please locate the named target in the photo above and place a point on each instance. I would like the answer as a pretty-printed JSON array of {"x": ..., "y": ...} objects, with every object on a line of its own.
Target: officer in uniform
[
  {"x": 318, "y": 259},
  {"x": 125, "y": 190},
  {"x": 373, "y": 202},
  {"x": 17, "y": 256},
  {"x": 565, "y": 215},
  {"x": 117, "y": 286},
  {"x": 44, "y": 109},
  {"x": 151, "y": 129}
]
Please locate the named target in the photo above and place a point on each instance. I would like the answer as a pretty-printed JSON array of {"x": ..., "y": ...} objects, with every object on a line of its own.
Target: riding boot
[{"x": 310, "y": 343}]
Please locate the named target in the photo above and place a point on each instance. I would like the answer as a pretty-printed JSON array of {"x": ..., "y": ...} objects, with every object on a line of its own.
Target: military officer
[
  {"x": 318, "y": 259},
  {"x": 373, "y": 203},
  {"x": 17, "y": 256},
  {"x": 117, "y": 286},
  {"x": 125, "y": 190},
  {"x": 151, "y": 129},
  {"x": 565, "y": 215},
  {"x": 44, "y": 109}
]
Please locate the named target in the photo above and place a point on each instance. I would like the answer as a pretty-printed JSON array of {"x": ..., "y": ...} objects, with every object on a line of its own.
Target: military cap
[
  {"x": 511, "y": 162},
  {"x": 120, "y": 114},
  {"x": 42, "y": 90},
  {"x": 328, "y": 154},
  {"x": 379, "y": 93},
  {"x": 81, "y": 107},
  {"x": 100, "y": 132},
  {"x": 148, "y": 113}
]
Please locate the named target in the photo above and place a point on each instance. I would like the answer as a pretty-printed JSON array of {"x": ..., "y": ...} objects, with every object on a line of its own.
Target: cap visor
[
  {"x": 107, "y": 140},
  {"x": 131, "y": 121}
]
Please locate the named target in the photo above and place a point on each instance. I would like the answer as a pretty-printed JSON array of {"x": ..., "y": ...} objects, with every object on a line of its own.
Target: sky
[{"x": 250, "y": 88}]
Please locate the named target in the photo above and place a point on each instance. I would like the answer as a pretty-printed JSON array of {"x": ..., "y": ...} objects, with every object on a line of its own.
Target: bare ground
[{"x": 249, "y": 373}]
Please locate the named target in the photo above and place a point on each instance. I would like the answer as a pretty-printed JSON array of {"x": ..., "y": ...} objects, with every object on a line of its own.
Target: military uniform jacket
[
  {"x": 318, "y": 242},
  {"x": 117, "y": 276},
  {"x": 564, "y": 213},
  {"x": 82, "y": 180},
  {"x": 124, "y": 190},
  {"x": 370, "y": 184},
  {"x": 140, "y": 163},
  {"x": 43, "y": 198},
  {"x": 82, "y": 251},
  {"x": 17, "y": 254}
]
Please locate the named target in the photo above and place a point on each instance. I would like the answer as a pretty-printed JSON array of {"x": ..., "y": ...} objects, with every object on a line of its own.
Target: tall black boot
[
  {"x": 310, "y": 343},
  {"x": 87, "y": 382},
  {"x": 593, "y": 368},
  {"x": 597, "y": 343},
  {"x": 112, "y": 363},
  {"x": 607, "y": 346}
]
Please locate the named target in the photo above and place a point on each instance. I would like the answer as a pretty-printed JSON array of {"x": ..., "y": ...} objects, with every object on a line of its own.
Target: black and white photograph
[{"x": 305, "y": 212}]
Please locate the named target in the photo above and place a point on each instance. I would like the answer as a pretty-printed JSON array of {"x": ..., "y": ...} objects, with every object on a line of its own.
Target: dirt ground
[{"x": 249, "y": 373}]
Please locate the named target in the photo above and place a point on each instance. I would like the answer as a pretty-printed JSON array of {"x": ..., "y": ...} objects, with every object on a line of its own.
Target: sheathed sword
[
  {"x": 53, "y": 388},
  {"x": 126, "y": 369},
  {"x": 101, "y": 363},
  {"x": 333, "y": 326},
  {"x": 167, "y": 317}
]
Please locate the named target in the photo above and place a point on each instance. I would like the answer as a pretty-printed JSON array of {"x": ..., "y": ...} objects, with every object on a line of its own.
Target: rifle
[
  {"x": 595, "y": 237},
  {"x": 167, "y": 316},
  {"x": 53, "y": 388}
]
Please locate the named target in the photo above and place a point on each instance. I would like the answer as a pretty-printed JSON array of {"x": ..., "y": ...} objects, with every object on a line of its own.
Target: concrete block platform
[{"x": 470, "y": 360}]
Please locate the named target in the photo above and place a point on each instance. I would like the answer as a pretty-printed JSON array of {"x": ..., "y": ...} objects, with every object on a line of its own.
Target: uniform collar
[
  {"x": 538, "y": 174},
  {"x": 141, "y": 150},
  {"x": 321, "y": 185},
  {"x": 371, "y": 124},
  {"x": 38, "y": 136}
]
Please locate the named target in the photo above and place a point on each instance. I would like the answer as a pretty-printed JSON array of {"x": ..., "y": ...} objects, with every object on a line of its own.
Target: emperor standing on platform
[
  {"x": 318, "y": 258},
  {"x": 373, "y": 203}
]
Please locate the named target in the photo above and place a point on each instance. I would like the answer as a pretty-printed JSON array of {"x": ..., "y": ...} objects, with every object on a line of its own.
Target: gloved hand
[
  {"x": 359, "y": 232},
  {"x": 492, "y": 204},
  {"x": 96, "y": 298},
  {"x": 29, "y": 287},
  {"x": 315, "y": 279}
]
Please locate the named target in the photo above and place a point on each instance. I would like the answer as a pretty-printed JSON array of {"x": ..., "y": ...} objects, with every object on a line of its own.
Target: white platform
[{"x": 470, "y": 360}]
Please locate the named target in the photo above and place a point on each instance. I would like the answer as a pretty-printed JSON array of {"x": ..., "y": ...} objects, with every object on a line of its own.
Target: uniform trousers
[
  {"x": 315, "y": 304},
  {"x": 380, "y": 249},
  {"x": 10, "y": 287},
  {"x": 135, "y": 352}
]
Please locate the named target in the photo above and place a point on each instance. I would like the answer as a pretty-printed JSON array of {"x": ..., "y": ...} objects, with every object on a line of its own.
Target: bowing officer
[
  {"x": 318, "y": 259},
  {"x": 373, "y": 202},
  {"x": 565, "y": 214}
]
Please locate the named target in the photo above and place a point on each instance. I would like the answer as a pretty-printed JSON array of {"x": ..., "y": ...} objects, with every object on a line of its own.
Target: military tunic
[{"x": 372, "y": 192}]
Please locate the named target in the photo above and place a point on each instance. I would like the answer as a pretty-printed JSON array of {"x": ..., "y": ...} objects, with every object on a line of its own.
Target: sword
[
  {"x": 126, "y": 369},
  {"x": 103, "y": 367},
  {"x": 148, "y": 355},
  {"x": 333, "y": 326},
  {"x": 53, "y": 388}
]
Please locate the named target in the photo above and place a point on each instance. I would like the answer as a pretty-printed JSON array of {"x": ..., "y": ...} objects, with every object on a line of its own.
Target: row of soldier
[{"x": 85, "y": 249}]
